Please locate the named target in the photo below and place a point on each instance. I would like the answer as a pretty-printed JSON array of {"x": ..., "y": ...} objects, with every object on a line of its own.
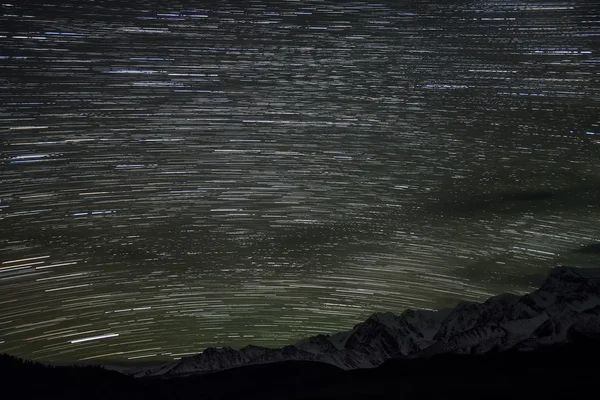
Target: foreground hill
[{"x": 557, "y": 371}]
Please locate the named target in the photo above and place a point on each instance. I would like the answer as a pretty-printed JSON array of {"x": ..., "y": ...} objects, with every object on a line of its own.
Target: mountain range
[{"x": 566, "y": 304}]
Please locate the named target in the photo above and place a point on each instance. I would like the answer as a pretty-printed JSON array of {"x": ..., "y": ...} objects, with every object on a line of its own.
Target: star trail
[{"x": 182, "y": 175}]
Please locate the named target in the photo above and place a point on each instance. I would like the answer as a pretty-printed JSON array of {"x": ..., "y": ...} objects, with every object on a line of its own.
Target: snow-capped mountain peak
[{"x": 567, "y": 301}]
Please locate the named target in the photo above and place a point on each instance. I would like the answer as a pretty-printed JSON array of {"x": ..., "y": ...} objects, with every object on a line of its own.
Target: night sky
[{"x": 180, "y": 175}]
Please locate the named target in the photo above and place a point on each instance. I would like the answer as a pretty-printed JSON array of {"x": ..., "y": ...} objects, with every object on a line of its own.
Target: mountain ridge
[{"x": 569, "y": 299}]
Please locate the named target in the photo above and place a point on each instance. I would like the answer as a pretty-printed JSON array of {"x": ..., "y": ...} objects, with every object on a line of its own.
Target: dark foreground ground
[{"x": 566, "y": 371}]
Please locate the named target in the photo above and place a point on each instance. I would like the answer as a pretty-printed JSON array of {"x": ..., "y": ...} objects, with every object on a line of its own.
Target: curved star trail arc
[{"x": 178, "y": 177}]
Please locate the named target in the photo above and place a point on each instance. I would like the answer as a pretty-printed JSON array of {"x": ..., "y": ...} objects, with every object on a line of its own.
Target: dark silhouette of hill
[
  {"x": 559, "y": 371},
  {"x": 29, "y": 379}
]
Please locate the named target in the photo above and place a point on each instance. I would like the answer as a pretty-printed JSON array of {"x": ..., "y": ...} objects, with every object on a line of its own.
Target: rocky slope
[{"x": 568, "y": 301}]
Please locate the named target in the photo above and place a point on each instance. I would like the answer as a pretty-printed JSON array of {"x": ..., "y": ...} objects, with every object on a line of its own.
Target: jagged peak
[
  {"x": 410, "y": 315},
  {"x": 592, "y": 274},
  {"x": 383, "y": 317},
  {"x": 565, "y": 278},
  {"x": 504, "y": 298},
  {"x": 253, "y": 347}
]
